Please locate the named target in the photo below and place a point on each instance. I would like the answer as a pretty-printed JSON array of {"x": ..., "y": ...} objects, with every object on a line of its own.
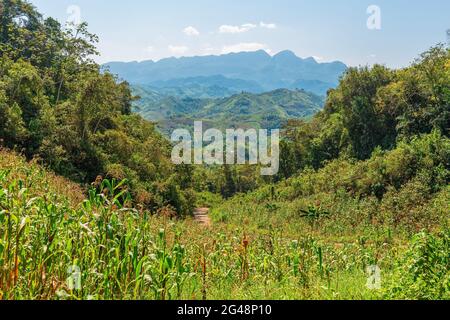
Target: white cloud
[
  {"x": 207, "y": 49},
  {"x": 245, "y": 46},
  {"x": 150, "y": 49},
  {"x": 245, "y": 27},
  {"x": 249, "y": 26},
  {"x": 191, "y": 31},
  {"x": 178, "y": 50},
  {"x": 236, "y": 29},
  {"x": 317, "y": 58},
  {"x": 267, "y": 25}
]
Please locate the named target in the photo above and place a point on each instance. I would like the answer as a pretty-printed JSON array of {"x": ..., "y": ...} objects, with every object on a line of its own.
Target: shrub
[{"x": 424, "y": 271}]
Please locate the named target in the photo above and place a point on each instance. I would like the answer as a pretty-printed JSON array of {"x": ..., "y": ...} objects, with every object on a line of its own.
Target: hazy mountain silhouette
[{"x": 231, "y": 73}]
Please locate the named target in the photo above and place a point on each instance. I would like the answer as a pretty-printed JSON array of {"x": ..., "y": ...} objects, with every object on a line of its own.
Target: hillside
[
  {"x": 231, "y": 73},
  {"x": 92, "y": 206},
  {"x": 56, "y": 106},
  {"x": 305, "y": 238},
  {"x": 245, "y": 110}
]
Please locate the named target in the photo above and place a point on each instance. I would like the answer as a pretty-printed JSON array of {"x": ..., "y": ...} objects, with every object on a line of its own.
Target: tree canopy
[
  {"x": 56, "y": 104},
  {"x": 373, "y": 108}
]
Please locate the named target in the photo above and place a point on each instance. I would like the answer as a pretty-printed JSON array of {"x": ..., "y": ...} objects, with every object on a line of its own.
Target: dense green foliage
[
  {"x": 258, "y": 248},
  {"x": 57, "y": 106},
  {"x": 373, "y": 108},
  {"x": 363, "y": 183}
]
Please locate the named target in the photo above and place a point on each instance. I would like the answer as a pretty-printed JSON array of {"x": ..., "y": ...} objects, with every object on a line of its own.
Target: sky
[{"x": 357, "y": 32}]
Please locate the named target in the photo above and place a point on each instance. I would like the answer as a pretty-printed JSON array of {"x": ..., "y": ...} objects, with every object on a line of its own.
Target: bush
[{"x": 424, "y": 272}]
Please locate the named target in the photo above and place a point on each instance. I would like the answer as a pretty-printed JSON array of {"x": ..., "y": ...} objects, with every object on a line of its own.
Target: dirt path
[{"x": 201, "y": 216}]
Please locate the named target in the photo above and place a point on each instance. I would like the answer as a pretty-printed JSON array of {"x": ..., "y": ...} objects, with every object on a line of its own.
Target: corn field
[{"x": 54, "y": 246}]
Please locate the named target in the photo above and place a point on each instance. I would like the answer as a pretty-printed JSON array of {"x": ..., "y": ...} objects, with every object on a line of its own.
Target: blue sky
[{"x": 326, "y": 29}]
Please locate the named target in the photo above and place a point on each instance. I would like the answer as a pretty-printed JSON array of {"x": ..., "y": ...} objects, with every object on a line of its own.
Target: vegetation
[
  {"x": 89, "y": 196},
  {"x": 269, "y": 110},
  {"x": 373, "y": 108},
  {"x": 55, "y": 105},
  {"x": 262, "y": 250}
]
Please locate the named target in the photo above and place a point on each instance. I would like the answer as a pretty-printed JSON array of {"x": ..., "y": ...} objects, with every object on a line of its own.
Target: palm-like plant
[{"x": 314, "y": 213}]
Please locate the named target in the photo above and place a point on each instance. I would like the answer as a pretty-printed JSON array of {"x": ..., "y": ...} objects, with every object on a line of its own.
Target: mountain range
[
  {"x": 225, "y": 75},
  {"x": 245, "y": 90}
]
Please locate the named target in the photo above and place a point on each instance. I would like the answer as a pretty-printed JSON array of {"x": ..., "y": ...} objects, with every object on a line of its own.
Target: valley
[
  {"x": 94, "y": 207},
  {"x": 242, "y": 90},
  {"x": 270, "y": 110}
]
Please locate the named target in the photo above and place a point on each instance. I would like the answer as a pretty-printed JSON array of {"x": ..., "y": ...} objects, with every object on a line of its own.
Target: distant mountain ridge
[
  {"x": 232, "y": 73},
  {"x": 246, "y": 90},
  {"x": 204, "y": 87}
]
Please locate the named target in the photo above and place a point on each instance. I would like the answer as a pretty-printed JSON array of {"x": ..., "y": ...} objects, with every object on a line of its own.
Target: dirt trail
[{"x": 201, "y": 216}]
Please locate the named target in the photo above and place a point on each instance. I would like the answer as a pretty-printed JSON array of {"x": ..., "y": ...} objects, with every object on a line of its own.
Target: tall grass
[{"x": 47, "y": 231}]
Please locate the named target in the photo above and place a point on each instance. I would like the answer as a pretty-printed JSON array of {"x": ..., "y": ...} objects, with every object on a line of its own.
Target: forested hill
[
  {"x": 364, "y": 182},
  {"x": 56, "y": 106},
  {"x": 270, "y": 110}
]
